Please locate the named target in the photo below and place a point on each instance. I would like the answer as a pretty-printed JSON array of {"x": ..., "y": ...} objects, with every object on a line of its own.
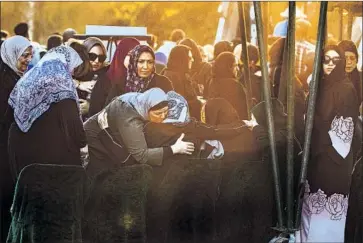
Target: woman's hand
[
  {"x": 84, "y": 106},
  {"x": 181, "y": 147},
  {"x": 86, "y": 86}
]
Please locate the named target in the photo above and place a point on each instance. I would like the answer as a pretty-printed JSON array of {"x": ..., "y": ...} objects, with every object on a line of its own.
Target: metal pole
[
  {"x": 244, "y": 57},
  {"x": 290, "y": 114},
  {"x": 282, "y": 93},
  {"x": 341, "y": 24},
  {"x": 269, "y": 115},
  {"x": 265, "y": 16},
  {"x": 311, "y": 105}
]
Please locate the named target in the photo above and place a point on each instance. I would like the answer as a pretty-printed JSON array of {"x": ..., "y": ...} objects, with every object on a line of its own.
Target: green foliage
[{"x": 198, "y": 19}]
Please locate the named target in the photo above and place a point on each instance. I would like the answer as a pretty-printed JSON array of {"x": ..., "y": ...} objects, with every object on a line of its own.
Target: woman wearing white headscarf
[
  {"x": 115, "y": 135},
  {"x": 48, "y": 128},
  {"x": 16, "y": 53}
]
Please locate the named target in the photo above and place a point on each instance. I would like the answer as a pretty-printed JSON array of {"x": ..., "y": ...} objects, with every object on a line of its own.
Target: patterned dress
[{"x": 325, "y": 202}]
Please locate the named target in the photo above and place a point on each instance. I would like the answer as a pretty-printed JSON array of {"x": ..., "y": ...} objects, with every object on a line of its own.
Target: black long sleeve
[{"x": 99, "y": 95}]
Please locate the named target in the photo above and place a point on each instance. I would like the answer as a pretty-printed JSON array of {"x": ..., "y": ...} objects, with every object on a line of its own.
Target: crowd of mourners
[{"x": 67, "y": 104}]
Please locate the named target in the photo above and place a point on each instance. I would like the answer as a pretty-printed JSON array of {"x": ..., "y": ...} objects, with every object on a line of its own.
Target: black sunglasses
[
  {"x": 93, "y": 57},
  {"x": 335, "y": 60}
]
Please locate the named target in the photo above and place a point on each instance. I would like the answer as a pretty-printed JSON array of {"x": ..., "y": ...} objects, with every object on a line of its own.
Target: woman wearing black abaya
[
  {"x": 178, "y": 71},
  {"x": 47, "y": 128},
  {"x": 329, "y": 172},
  {"x": 97, "y": 54},
  {"x": 351, "y": 59},
  {"x": 225, "y": 85},
  {"x": 276, "y": 54},
  {"x": 222, "y": 46},
  {"x": 16, "y": 53},
  {"x": 201, "y": 71}
]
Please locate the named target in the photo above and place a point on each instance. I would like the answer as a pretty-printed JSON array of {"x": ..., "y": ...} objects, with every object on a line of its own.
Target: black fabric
[
  {"x": 8, "y": 79},
  {"x": 99, "y": 93},
  {"x": 256, "y": 83},
  {"x": 201, "y": 75},
  {"x": 232, "y": 91},
  {"x": 167, "y": 152},
  {"x": 260, "y": 134},
  {"x": 220, "y": 111},
  {"x": 245, "y": 208},
  {"x": 116, "y": 209},
  {"x": 211, "y": 201},
  {"x": 356, "y": 78},
  {"x": 354, "y": 221},
  {"x": 48, "y": 204},
  {"x": 54, "y": 138},
  {"x": 300, "y": 99},
  {"x": 88, "y": 77},
  {"x": 182, "y": 200},
  {"x": 116, "y": 149},
  {"x": 161, "y": 134}
]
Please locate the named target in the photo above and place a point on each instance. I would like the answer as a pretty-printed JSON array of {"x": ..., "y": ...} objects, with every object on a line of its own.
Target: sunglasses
[
  {"x": 328, "y": 59},
  {"x": 93, "y": 57}
]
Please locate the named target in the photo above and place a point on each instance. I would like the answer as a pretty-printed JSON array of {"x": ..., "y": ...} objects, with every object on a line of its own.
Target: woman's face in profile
[
  {"x": 158, "y": 116},
  {"x": 350, "y": 61},
  {"x": 25, "y": 59}
]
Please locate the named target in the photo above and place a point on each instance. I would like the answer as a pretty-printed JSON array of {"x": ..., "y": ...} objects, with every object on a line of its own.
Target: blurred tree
[
  {"x": 198, "y": 19},
  {"x": 11, "y": 14}
]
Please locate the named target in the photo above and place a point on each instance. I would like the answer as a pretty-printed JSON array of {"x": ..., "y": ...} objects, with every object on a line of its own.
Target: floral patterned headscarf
[
  {"x": 48, "y": 82},
  {"x": 134, "y": 83}
]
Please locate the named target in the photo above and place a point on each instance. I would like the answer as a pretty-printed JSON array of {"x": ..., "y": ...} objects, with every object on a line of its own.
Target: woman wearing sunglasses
[
  {"x": 331, "y": 163},
  {"x": 97, "y": 55}
]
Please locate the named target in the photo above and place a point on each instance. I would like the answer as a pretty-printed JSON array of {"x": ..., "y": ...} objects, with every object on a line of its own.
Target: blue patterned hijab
[
  {"x": 50, "y": 81},
  {"x": 178, "y": 109}
]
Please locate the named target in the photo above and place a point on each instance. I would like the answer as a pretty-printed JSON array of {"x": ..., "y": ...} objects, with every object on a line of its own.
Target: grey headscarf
[
  {"x": 90, "y": 42},
  {"x": 143, "y": 102},
  {"x": 12, "y": 49}
]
